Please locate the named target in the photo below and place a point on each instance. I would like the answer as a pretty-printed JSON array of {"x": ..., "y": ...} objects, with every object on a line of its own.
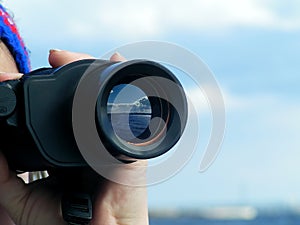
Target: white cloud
[
  {"x": 134, "y": 19},
  {"x": 270, "y": 111},
  {"x": 233, "y": 103}
]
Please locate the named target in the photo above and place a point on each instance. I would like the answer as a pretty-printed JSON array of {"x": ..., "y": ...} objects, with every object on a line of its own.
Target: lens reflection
[{"x": 129, "y": 112}]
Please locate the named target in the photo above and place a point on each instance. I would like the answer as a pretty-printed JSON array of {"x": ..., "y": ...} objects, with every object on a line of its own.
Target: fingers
[
  {"x": 116, "y": 57},
  {"x": 60, "y": 57},
  {"x": 11, "y": 189},
  {"x": 4, "y": 217},
  {"x": 9, "y": 76}
]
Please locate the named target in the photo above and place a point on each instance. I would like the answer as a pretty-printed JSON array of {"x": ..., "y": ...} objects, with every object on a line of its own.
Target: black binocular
[{"x": 140, "y": 112}]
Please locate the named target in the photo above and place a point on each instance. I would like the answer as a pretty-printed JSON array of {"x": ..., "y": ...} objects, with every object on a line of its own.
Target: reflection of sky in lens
[
  {"x": 127, "y": 98},
  {"x": 124, "y": 93}
]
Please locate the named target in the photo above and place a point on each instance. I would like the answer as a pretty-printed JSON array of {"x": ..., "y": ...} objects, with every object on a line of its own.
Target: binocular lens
[
  {"x": 141, "y": 109},
  {"x": 129, "y": 111}
]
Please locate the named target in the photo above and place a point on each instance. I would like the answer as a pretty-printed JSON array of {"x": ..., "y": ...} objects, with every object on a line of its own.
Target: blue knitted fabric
[{"x": 12, "y": 39}]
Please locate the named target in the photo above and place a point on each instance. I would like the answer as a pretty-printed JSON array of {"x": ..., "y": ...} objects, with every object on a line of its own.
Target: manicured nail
[{"x": 54, "y": 50}]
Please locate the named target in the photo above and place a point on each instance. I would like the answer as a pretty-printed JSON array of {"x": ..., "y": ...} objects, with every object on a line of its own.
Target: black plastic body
[
  {"x": 42, "y": 119},
  {"x": 38, "y": 134},
  {"x": 77, "y": 208}
]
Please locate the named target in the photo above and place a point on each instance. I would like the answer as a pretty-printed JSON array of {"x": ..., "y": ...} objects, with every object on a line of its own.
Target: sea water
[
  {"x": 129, "y": 126},
  {"x": 262, "y": 220}
]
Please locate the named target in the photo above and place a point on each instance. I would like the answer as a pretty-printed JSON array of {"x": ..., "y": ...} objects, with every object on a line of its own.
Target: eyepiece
[{"x": 141, "y": 111}]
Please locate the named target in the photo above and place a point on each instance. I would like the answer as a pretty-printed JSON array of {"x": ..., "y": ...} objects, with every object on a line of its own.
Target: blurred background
[{"x": 253, "y": 49}]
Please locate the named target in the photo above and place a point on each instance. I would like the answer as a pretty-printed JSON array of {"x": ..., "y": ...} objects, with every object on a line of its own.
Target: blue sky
[{"x": 252, "y": 47}]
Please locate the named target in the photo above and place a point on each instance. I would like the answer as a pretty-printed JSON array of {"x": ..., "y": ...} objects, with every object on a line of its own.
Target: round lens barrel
[{"x": 141, "y": 109}]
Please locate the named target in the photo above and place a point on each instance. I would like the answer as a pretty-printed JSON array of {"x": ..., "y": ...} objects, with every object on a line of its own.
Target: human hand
[{"x": 38, "y": 203}]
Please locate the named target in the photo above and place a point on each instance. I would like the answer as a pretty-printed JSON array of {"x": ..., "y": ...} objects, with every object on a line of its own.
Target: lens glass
[{"x": 129, "y": 112}]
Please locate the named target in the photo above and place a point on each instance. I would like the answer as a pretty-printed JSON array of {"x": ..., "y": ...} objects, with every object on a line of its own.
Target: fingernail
[
  {"x": 118, "y": 56},
  {"x": 54, "y": 50},
  {"x": 10, "y": 76}
]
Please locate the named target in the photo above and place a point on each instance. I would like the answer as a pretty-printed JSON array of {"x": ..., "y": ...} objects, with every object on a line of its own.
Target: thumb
[
  {"x": 60, "y": 57},
  {"x": 9, "y": 76},
  {"x": 4, "y": 170},
  {"x": 12, "y": 190}
]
